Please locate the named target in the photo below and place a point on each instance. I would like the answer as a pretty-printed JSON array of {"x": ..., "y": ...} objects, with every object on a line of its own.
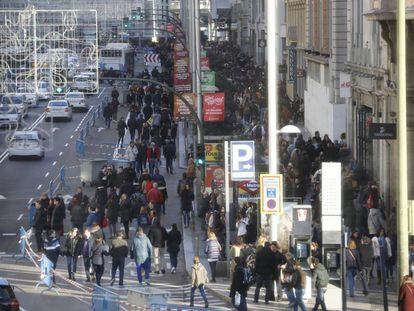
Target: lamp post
[{"x": 272, "y": 78}]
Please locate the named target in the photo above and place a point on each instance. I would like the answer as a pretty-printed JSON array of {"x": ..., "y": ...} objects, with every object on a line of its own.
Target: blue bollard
[
  {"x": 51, "y": 190},
  {"x": 62, "y": 176},
  {"x": 82, "y": 135},
  {"x": 80, "y": 148},
  {"x": 87, "y": 129}
]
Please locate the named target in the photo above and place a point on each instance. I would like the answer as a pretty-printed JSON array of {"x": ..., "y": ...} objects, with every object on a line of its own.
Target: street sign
[
  {"x": 383, "y": 131},
  {"x": 242, "y": 160},
  {"x": 261, "y": 43},
  {"x": 152, "y": 58},
  {"x": 271, "y": 193}
]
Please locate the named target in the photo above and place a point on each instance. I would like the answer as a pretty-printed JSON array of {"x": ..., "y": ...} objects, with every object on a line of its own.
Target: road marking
[
  {"x": 102, "y": 92},
  {"x": 47, "y": 174},
  {"x": 38, "y": 187},
  {"x": 71, "y": 136},
  {"x": 55, "y": 129},
  {"x": 30, "y": 201},
  {"x": 20, "y": 217},
  {"x": 9, "y": 234},
  {"x": 2, "y": 197},
  {"x": 67, "y": 144},
  {"x": 100, "y": 129},
  {"x": 54, "y": 163},
  {"x": 60, "y": 154}
]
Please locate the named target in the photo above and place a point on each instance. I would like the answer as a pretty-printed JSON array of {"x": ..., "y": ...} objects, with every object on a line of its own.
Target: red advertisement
[
  {"x": 213, "y": 107},
  {"x": 205, "y": 63},
  {"x": 182, "y": 76},
  {"x": 214, "y": 177}
]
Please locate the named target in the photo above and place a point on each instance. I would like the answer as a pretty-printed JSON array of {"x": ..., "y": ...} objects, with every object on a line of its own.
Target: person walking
[
  {"x": 99, "y": 249},
  {"x": 353, "y": 265},
  {"x": 125, "y": 213},
  {"x": 118, "y": 251},
  {"x": 121, "y": 127},
  {"x": 158, "y": 236},
  {"x": 213, "y": 249},
  {"x": 299, "y": 284},
  {"x": 153, "y": 157},
  {"x": 155, "y": 197},
  {"x": 321, "y": 281},
  {"x": 187, "y": 198},
  {"x": 73, "y": 246},
  {"x": 39, "y": 224},
  {"x": 143, "y": 219},
  {"x": 107, "y": 114},
  {"x": 141, "y": 252},
  {"x": 52, "y": 250},
  {"x": 169, "y": 154},
  {"x": 131, "y": 153},
  {"x": 173, "y": 246},
  {"x": 265, "y": 267},
  {"x": 112, "y": 213},
  {"x": 87, "y": 254},
  {"x": 132, "y": 126},
  {"x": 238, "y": 284},
  {"x": 280, "y": 260},
  {"x": 406, "y": 294},
  {"x": 198, "y": 279},
  {"x": 288, "y": 271},
  {"x": 58, "y": 216}
]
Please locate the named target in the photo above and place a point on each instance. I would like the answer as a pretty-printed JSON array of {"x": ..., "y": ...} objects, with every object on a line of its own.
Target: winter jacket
[
  {"x": 237, "y": 282},
  {"x": 121, "y": 127},
  {"x": 52, "y": 249},
  {"x": 213, "y": 249},
  {"x": 406, "y": 297},
  {"x": 73, "y": 245},
  {"x": 153, "y": 153},
  {"x": 98, "y": 251},
  {"x": 298, "y": 279},
  {"x": 280, "y": 260},
  {"x": 376, "y": 221},
  {"x": 352, "y": 259},
  {"x": 265, "y": 262},
  {"x": 170, "y": 151},
  {"x": 40, "y": 219},
  {"x": 157, "y": 235},
  {"x": 141, "y": 248},
  {"x": 87, "y": 247},
  {"x": 366, "y": 253},
  {"x": 101, "y": 196},
  {"x": 58, "y": 216},
  {"x": 321, "y": 276},
  {"x": 174, "y": 241},
  {"x": 112, "y": 211},
  {"x": 187, "y": 198},
  {"x": 92, "y": 219},
  {"x": 198, "y": 275},
  {"x": 119, "y": 249},
  {"x": 125, "y": 211},
  {"x": 131, "y": 153},
  {"x": 155, "y": 196}
]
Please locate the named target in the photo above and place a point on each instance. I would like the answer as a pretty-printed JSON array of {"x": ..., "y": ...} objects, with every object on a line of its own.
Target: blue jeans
[
  {"x": 320, "y": 299},
  {"x": 153, "y": 164},
  {"x": 350, "y": 274},
  {"x": 299, "y": 300},
  {"x": 72, "y": 263},
  {"x": 202, "y": 292},
  {"x": 290, "y": 295},
  {"x": 186, "y": 215},
  {"x": 146, "y": 266},
  {"x": 173, "y": 259}
]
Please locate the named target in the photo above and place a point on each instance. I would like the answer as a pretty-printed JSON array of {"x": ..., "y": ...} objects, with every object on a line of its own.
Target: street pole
[
  {"x": 197, "y": 63},
  {"x": 402, "y": 214},
  {"x": 272, "y": 79},
  {"x": 227, "y": 196}
]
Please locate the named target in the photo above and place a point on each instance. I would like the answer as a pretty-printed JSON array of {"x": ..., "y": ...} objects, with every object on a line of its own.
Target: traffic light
[
  {"x": 125, "y": 23},
  {"x": 114, "y": 33},
  {"x": 200, "y": 155}
]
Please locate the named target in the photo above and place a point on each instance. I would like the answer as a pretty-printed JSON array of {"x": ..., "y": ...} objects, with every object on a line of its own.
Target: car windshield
[
  {"x": 5, "y": 109},
  {"x": 24, "y": 136},
  {"x": 6, "y": 292},
  {"x": 58, "y": 104},
  {"x": 12, "y": 100},
  {"x": 74, "y": 95}
]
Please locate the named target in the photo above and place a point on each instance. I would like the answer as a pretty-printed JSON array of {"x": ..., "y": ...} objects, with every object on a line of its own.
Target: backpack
[{"x": 248, "y": 278}]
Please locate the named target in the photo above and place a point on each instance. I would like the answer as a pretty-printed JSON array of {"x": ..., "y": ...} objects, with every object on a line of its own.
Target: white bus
[{"x": 116, "y": 59}]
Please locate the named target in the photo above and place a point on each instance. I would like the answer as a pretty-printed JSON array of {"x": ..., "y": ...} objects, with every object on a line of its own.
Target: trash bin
[
  {"x": 146, "y": 296},
  {"x": 90, "y": 168}
]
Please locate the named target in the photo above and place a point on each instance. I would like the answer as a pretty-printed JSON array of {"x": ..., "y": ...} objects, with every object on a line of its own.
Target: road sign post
[
  {"x": 271, "y": 193},
  {"x": 242, "y": 160}
]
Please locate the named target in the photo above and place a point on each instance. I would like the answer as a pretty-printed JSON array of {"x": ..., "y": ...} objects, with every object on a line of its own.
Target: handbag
[{"x": 237, "y": 299}]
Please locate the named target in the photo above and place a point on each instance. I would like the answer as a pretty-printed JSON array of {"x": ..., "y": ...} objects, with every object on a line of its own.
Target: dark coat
[
  {"x": 78, "y": 216},
  {"x": 237, "y": 283},
  {"x": 40, "y": 219},
  {"x": 121, "y": 127},
  {"x": 187, "y": 197},
  {"x": 119, "y": 249},
  {"x": 73, "y": 246},
  {"x": 58, "y": 215},
  {"x": 265, "y": 262},
  {"x": 112, "y": 211},
  {"x": 125, "y": 211},
  {"x": 101, "y": 196},
  {"x": 157, "y": 235},
  {"x": 170, "y": 151},
  {"x": 280, "y": 260},
  {"x": 174, "y": 241}
]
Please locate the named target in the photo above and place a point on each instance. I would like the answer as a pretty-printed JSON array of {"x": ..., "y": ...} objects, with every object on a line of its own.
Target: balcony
[{"x": 387, "y": 9}]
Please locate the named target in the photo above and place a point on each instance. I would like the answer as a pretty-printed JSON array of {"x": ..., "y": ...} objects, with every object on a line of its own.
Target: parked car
[
  {"x": 8, "y": 300},
  {"x": 18, "y": 101},
  {"x": 26, "y": 144},
  {"x": 77, "y": 101},
  {"x": 58, "y": 109},
  {"x": 9, "y": 116}
]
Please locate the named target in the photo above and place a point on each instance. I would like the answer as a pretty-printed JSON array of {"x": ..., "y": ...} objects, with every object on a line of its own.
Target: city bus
[{"x": 116, "y": 59}]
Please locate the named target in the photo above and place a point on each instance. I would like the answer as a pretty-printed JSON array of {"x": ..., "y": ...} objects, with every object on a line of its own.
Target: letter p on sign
[{"x": 242, "y": 160}]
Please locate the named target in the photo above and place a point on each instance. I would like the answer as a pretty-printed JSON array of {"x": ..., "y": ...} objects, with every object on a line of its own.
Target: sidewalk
[{"x": 373, "y": 302}]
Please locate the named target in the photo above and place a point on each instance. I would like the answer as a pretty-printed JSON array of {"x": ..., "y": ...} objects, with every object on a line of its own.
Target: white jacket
[
  {"x": 376, "y": 247},
  {"x": 131, "y": 153}
]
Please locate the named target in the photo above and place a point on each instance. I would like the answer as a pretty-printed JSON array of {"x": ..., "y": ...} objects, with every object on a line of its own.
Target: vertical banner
[
  {"x": 208, "y": 81},
  {"x": 181, "y": 111},
  {"x": 214, "y": 178},
  {"x": 292, "y": 65},
  {"x": 182, "y": 76},
  {"x": 214, "y": 152},
  {"x": 213, "y": 107},
  {"x": 271, "y": 193}
]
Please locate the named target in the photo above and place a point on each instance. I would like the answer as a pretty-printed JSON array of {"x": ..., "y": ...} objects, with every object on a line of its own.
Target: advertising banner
[
  {"x": 214, "y": 152},
  {"x": 213, "y": 107},
  {"x": 214, "y": 177},
  {"x": 182, "y": 76},
  {"x": 249, "y": 191},
  {"x": 181, "y": 110},
  {"x": 208, "y": 81},
  {"x": 205, "y": 63}
]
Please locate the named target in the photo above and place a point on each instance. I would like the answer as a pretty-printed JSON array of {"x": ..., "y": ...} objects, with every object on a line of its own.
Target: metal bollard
[
  {"x": 82, "y": 135},
  {"x": 87, "y": 129},
  {"x": 62, "y": 176}
]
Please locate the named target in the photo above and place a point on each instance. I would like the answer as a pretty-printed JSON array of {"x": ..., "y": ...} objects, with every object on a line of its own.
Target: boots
[{"x": 73, "y": 276}]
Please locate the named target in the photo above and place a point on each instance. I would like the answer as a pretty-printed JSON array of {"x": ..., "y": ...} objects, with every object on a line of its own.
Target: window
[
  {"x": 326, "y": 77},
  {"x": 314, "y": 71}
]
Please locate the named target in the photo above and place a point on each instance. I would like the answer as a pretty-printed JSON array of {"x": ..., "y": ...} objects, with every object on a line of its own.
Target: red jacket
[
  {"x": 156, "y": 151},
  {"x": 155, "y": 196},
  {"x": 406, "y": 297}
]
